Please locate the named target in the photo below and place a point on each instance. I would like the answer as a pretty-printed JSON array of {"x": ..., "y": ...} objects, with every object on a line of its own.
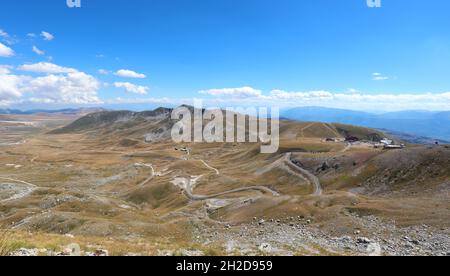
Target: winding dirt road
[
  {"x": 209, "y": 167},
  {"x": 150, "y": 178},
  {"x": 311, "y": 178},
  {"x": 347, "y": 148},
  {"x": 187, "y": 185}
]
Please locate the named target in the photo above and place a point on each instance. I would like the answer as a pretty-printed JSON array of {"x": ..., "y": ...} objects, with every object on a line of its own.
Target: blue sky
[{"x": 287, "y": 52}]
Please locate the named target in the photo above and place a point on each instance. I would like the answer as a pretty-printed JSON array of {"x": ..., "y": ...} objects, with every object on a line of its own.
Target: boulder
[{"x": 363, "y": 240}]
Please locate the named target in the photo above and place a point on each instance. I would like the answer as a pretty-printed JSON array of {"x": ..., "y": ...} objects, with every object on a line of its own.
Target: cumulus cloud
[
  {"x": 241, "y": 92},
  {"x": 278, "y": 96},
  {"x": 60, "y": 86},
  {"x": 46, "y": 67},
  {"x": 325, "y": 96},
  {"x": 38, "y": 51},
  {"x": 129, "y": 74},
  {"x": 10, "y": 86},
  {"x": 132, "y": 88},
  {"x": 350, "y": 99},
  {"x": 74, "y": 87},
  {"x": 47, "y": 36},
  {"x": 5, "y": 51}
]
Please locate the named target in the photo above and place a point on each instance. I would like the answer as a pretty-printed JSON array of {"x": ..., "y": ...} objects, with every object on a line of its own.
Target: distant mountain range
[
  {"x": 414, "y": 126},
  {"x": 420, "y": 125},
  {"x": 58, "y": 111}
]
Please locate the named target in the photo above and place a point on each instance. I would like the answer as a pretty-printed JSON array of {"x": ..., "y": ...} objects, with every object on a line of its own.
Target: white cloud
[
  {"x": 5, "y": 51},
  {"x": 9, "y": 40},
  {"x": 242, "y": 92},
  {"x": 103, "y": 72},
  {"x": 362, "y": 101},
  {"x": 3, "y": 34},
  {"x": 68, "y": 87},
  {"x": 10, "y": 87},
  {"x": 306, "y": 96},
  {"x": 31, "y": 35},
  {"x": 75, "y": 88},
  {"x": 350, "y": 99},
  {"x": 46, "y": 67},
  {"x": 47, "y": 36},
  {"x": 5, "y": 69},
  {"x": 353, "y": 91},
  {"x": 132, "y": 88},
  {"x": 379, "y": 77},
  {"x": 325, "y": 96},
  {"x": 129, "y": 74},
  {"x": 145, "y": 101},
  {"x": 38, "y": 51}
]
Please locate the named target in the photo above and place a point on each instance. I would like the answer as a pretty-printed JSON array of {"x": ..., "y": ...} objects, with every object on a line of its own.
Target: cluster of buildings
[
  {"x": 384, "y": 143},
  {"x": 388, "y": 144}
]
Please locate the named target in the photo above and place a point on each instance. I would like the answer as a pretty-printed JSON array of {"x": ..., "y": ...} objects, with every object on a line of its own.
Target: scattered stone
[
  {"x": 191, "y": 253},
  {"x": 101, "y": 253},
  {"x": 363, "y": 240},
  {"x": 72, "y": 250},
  {"x": 345, "y": 239},
  {"x": 266, "y": 248},
  {"x": 325, "y": 166},
  {"x": 374, "y": 249},
  {"x": 24, "y": 252},
  {"x": 166, "y": 253},
  {"x": 415, "y": 242}
]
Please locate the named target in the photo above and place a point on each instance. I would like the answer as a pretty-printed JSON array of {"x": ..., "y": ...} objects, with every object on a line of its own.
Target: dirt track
[
  {"x": 21, "y": 193},
  {"x": 311, "y": 178}
]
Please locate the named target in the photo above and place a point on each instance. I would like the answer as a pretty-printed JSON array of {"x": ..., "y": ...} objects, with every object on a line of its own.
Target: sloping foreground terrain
[{"x": 113, "y": 182}]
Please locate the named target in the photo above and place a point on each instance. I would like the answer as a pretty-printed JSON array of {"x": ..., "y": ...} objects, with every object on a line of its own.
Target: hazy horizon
[
  {"x": 139, "y": 108},
  {"x": 228, "y": 53}
]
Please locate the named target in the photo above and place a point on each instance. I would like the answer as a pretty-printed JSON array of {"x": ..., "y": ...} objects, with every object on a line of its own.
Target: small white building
[{"x": 387, "y": 142}]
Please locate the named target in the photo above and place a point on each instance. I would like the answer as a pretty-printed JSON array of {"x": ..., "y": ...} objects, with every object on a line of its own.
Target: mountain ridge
[{"x": 431, "y": 124}]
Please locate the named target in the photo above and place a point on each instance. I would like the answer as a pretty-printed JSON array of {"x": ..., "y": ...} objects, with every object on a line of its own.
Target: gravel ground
[{"x": 299, "y": 237}]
